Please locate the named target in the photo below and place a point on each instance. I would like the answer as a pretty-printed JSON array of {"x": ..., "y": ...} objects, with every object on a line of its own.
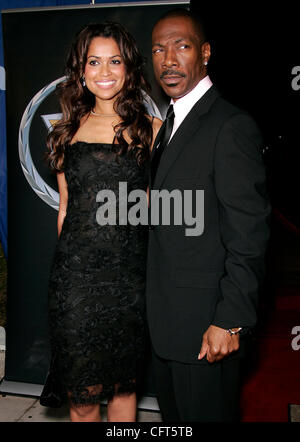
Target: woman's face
[{"x": 105, "y": 69}]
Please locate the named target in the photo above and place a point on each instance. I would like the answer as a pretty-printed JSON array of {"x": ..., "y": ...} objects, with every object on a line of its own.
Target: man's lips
[
  {"x": 170, "y": 77},
  {"x": 171, "y": 80}
]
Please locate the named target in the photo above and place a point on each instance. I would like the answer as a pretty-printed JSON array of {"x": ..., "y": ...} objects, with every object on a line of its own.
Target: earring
[
  {"x": 83, "y": 81},
  {"x": 205, "y": 63}
]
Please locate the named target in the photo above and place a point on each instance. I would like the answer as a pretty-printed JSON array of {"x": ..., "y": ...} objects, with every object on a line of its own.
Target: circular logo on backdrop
[
  {"x": 41, "y": 188},
  {"x": 37, "y": 183}
]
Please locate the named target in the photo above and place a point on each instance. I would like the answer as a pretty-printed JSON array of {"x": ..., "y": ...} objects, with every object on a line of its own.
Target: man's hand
[{"x": 217, "y": 343}]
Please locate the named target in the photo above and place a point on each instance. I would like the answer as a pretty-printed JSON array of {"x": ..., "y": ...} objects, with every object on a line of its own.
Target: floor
[{"x": 27, "y": 409}]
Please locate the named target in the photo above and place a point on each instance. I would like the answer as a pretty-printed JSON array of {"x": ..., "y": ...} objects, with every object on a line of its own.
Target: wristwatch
[{"x": 234, "y": 331}]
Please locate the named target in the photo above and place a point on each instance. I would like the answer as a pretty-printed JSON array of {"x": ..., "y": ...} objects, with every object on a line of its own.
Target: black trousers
[{"x": 197, "y": 393}]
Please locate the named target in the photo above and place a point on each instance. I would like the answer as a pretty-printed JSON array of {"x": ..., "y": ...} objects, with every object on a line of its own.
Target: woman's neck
[{"x": 104, "y": 108}]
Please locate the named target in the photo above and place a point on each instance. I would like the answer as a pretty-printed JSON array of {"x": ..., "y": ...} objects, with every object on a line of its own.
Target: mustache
[{"x": 171, "y": 72}]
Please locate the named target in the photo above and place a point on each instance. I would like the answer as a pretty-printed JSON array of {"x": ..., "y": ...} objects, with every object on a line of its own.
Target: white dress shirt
[{"x": 183, "y": 105}]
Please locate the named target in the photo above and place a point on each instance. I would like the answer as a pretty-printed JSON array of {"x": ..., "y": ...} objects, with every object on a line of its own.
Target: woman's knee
[{"x": 85, "y": 412}]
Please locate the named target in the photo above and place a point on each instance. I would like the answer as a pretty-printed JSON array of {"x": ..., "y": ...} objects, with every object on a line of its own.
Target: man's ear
[{"x": 205, "y": 49}]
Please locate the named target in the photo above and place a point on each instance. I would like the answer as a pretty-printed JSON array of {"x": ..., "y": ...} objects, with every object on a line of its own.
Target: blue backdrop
[{"x": 13, "y": 4}]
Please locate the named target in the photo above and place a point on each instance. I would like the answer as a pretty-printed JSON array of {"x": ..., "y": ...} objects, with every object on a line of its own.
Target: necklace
[{"x": 102, "y": 115}]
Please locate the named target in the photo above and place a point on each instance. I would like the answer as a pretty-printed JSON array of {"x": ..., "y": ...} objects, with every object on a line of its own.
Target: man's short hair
[{"x": 181, "y": 12}]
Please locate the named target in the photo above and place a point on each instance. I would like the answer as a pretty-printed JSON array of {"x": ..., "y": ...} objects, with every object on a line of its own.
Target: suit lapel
[{"x": 185, "y": 131}]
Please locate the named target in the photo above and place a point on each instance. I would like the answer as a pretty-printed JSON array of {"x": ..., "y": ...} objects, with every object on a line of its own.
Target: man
[{"x": 202, "y": 289}]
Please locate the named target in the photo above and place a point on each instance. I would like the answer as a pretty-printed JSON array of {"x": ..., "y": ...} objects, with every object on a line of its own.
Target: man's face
[{"x": 178, "y": 56}]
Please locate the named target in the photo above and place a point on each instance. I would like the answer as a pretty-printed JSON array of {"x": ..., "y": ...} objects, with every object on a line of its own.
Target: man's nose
[{"x": 170, "y": 58}]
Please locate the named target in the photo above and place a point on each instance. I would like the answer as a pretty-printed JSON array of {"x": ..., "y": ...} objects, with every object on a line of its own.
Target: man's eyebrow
[
  {"x": 182, "y": 39},
  {"x": 179, "y": 40}
]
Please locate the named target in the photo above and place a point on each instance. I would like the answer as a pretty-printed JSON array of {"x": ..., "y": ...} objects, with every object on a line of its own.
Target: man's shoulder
[
  {"x": 217, "y": 110},
  {"x": 216, "y": 105},
  {"x": 226, "y": 108},
  {"x": 228, "y": 118},
  {"x": 220, "y": 113}
]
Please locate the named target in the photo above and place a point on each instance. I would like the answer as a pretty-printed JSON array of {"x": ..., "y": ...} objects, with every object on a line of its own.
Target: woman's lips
[{"x": 106, "y": 84}]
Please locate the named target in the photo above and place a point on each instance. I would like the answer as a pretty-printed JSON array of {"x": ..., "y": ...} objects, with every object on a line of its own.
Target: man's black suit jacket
[{"x": 213, "y": 278}]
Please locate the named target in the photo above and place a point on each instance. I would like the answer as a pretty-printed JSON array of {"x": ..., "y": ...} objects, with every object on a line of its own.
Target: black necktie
[{"x": 164, "y": 137}]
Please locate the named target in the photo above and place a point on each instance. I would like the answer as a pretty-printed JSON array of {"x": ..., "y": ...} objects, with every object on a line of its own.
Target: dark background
[{"x": 255, "y": 46}]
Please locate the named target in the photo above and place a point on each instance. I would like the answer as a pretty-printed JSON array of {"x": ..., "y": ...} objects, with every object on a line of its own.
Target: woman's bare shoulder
[
  {"x": 82, "y": 130},
  {"x": 156, "y": 124}
]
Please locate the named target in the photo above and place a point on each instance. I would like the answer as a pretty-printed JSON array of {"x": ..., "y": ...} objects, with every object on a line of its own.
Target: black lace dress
[{"x": 97, "y": 281}]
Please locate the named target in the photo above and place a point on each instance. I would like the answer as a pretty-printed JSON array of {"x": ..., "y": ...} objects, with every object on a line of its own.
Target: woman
[{"x": 97, "y": 282}]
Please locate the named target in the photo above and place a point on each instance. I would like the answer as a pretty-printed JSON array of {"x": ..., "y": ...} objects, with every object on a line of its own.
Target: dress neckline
[{"x": 91, "y": 143}]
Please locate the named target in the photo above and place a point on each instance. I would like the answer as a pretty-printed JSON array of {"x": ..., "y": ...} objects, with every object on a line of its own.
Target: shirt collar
[{"x": 183, "y": 105}]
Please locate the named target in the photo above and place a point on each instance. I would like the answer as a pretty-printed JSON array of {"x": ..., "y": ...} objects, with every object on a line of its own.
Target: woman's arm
[
  {"x": 156, "y": 124},
  {"x": 63, "y": 200}
]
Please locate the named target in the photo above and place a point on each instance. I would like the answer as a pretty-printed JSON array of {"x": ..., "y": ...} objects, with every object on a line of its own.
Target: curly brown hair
[{"x": 76, "y": 100}]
